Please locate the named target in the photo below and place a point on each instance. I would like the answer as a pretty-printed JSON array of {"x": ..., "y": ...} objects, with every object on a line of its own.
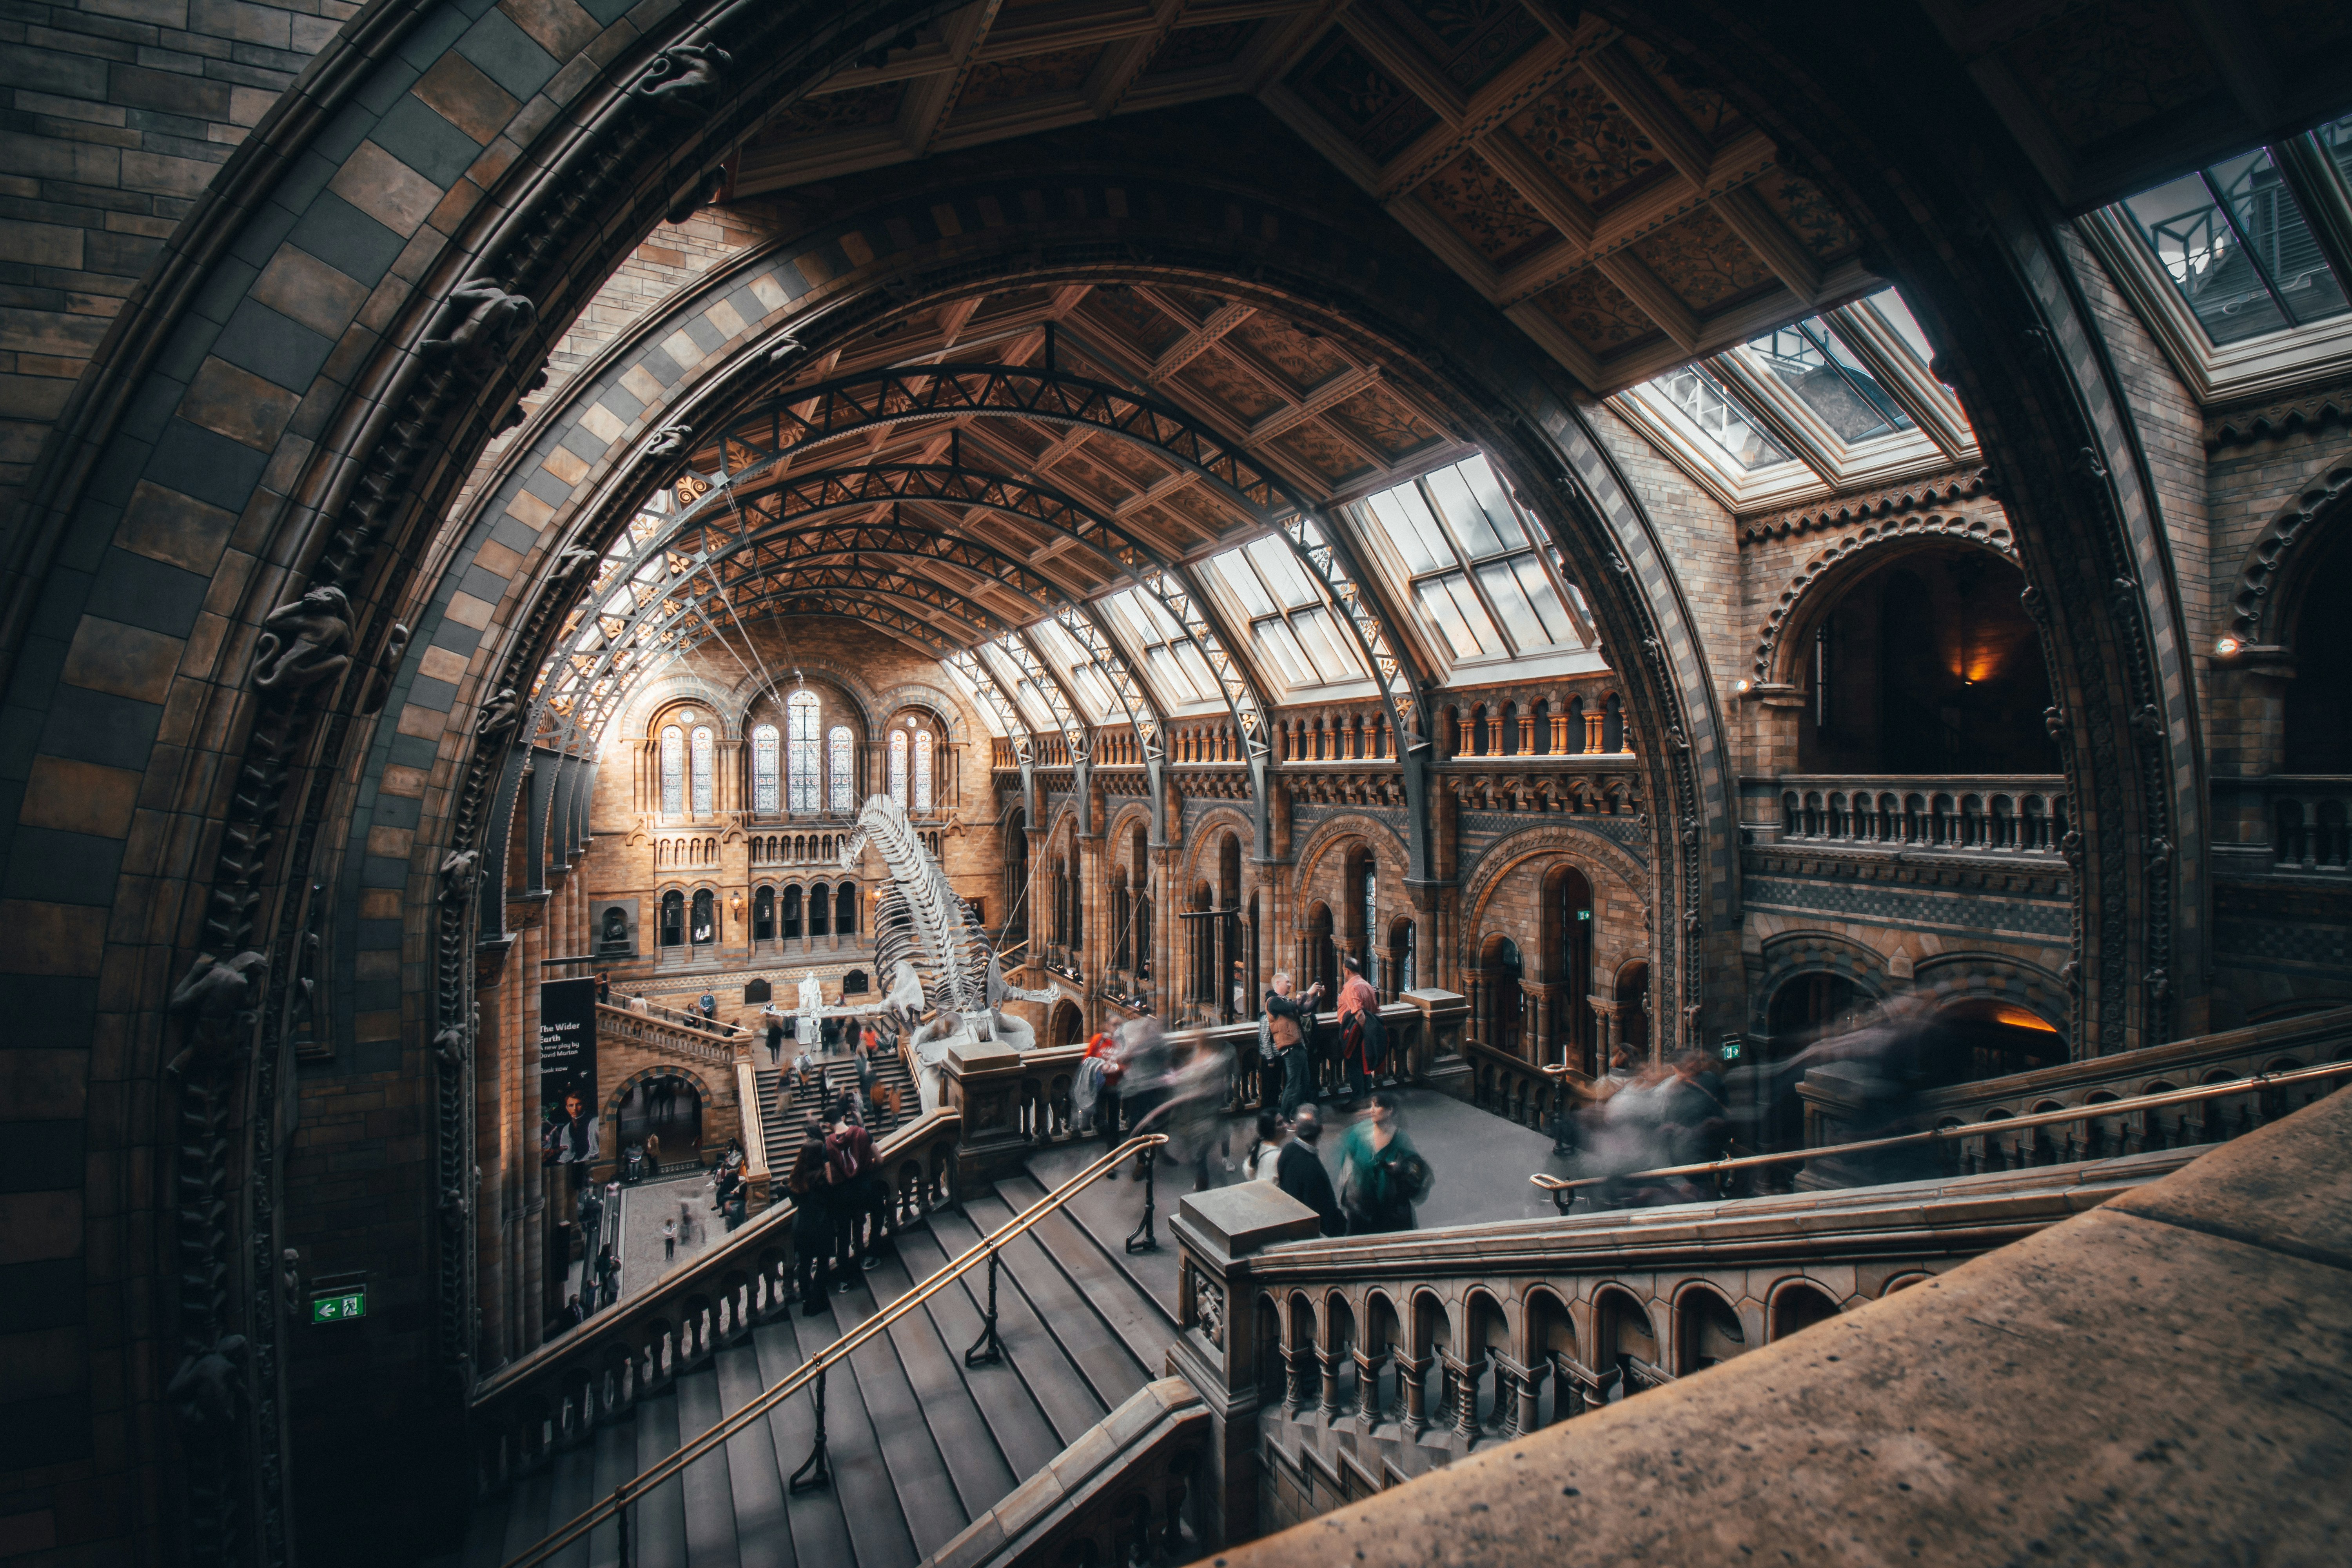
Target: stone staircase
[
  {"x": 921, "y": 1443},
  {"x": 786, "y": 1107}
]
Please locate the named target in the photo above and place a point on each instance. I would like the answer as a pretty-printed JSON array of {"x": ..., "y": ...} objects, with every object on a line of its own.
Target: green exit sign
[{"x": 339, "y": 1308}]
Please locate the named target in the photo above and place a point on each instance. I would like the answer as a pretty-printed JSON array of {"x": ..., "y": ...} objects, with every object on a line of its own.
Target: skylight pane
[
  {"x": 1888, "y": 303},
  {"x": 1233, "y": 571},
  {"x": 1320, "y": 635},
  {"x": 1472, "y": 529},
  {"x": 1810, "y": 362},
  {"x": 1130, "y": 611},
  {"x": 1174, "y": 684},
  {"x": 2281, "y": 242},
  {"x": 1276, "y": 646},
  {"x": 1281, "y": 571},
  {"x": 1404, "y": 518},
  {"x": 1448, "y": 603},
  {"x": 1059, "y": 646},
  {"x": 1205, "y": 679},
  {"x": 1095, "y": 693},
  {"x": 1721, "y": 420},
  {"x": 2182, "y": 224},
  {"x": 1497, "y": 505},
  {"x": 1519, "y": 619}
]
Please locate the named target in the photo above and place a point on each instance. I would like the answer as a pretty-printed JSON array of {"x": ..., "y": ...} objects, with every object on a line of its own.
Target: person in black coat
[{"x": 1298, "y": 1171}]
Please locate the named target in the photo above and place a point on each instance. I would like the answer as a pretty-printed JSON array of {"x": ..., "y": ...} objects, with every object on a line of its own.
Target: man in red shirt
[{"x": 1359, "y": 1023}]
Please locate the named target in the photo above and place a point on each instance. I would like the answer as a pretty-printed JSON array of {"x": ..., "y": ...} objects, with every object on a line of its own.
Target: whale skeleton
[{"x": 938, "y": 958}]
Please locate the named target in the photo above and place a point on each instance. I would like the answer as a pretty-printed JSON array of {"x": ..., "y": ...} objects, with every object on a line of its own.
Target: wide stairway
[
  {"x": 920, "y": 1443},
  {"x": 786, "y": 1105}
]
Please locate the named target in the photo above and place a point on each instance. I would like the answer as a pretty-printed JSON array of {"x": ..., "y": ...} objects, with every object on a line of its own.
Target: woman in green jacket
[{"x": 1381, "y": 1175}]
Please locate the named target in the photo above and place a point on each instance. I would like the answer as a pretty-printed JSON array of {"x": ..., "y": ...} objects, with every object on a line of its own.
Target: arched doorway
[
  {"x": 1568, "y": 965},
  {"x": 1322, "y": 955},
  {"x": 661, "y": 1124},
  {"x": 1066, "y": 1027},
  {"x": 673, "y": 918},
  {"x": 763, "y": 915},
  {"x": 1804, "y": 1010},
  {"x": 704, "y": 928},
  {"x": 1506, "y": 1000},
  {"x": 1986, "y": 1037},
  {"x": 2319, "y": 698}
]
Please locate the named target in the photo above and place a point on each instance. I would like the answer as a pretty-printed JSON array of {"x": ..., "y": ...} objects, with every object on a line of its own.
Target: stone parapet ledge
[{"x": 2162, "y": 1379}]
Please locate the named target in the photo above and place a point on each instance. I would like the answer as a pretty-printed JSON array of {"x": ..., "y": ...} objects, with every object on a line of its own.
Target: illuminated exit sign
[{"x": 341, "y": 1307}]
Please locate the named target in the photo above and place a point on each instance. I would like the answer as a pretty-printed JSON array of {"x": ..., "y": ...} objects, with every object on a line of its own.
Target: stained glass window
[
  {"x": 922, "y": 770},
  {"x": 899, "y": 766},
  {"x": 705, "y": 768},
  {"x": 766, "y": 794},
  {"x": 673, "y": 771},
  {"x": 800, "y": 716},
  {"x": 843, "y": 765}
]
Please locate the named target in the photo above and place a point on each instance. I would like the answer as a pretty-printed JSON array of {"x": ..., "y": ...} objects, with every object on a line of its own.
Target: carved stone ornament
[
  {"x": 207, "y": 1393},
  {"x": 486, "y": 319},
  {"x": 669, "y": 441},
  {"x": 1209, "y": 1306},
  {"x": 684, "y": 80},
  {"x": 303, "y": 644},
  {"x": 449, "y": 1049},
  {"x": 458, "y": 877},
  {"x": 218, "y": 1000},
  {"x": 498, "y": 714},
  {"x": 701, "y": 193},
  {"x": 388, "y": 666}
]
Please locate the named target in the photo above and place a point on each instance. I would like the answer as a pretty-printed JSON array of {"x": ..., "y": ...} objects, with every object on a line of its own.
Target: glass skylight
[
  {"x": 1810, "y": 361},
  {"x": 1172, "y": 664},
  {"x": 2237, "y": 247},
  {"x": 1704, "y": 402},
  {"x": 1292, "y": 634},
  {"x": 1480, "y": 587}
]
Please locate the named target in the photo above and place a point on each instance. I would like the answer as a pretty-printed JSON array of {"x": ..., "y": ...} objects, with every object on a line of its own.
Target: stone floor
[
  {"x": 1482, "y": 1163},
  {"x": 642, "y": 1209}
]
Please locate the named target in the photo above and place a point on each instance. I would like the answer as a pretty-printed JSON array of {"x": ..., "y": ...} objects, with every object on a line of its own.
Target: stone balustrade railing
[
  {"x": 1119, "y": 1494},
  {"x": 1998, "y": 814},
  {"x": 1336, "y": 1367},
  {"x": 2292, "y": 823},
  {"x": 668, "y": 1033},
  {"x": 1513, "y": 1088},
  {"x": 1839, "y": 1098},
  {"x": 590, "y": 1376},
  {"x": 1045, "y": 1108}
]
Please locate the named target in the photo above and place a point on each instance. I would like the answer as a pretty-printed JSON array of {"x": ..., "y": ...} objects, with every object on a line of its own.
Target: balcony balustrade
[{"x": 1995, "y": 813}]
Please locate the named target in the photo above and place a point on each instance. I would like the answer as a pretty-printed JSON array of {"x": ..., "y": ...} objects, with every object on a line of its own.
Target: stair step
[
  {"x": 763, "y": 1534},
  {"x": 659, "y": 1529},
  {"x": 1006, "y": 1393},
  {"x": 1111, "y": 1370},
  {"x": 928, "y": 1496},
  {"x": 935, "y": 1374},
  {"x": 1063, "y": 1390},
  {"x": 1109, "y": 1210},
  {"x": 1145, "y": 1326},
  {"x": 861, "y": 1474},
  {"x": 819, "y": 1532},
  {"x": 709, "y": 1486}
]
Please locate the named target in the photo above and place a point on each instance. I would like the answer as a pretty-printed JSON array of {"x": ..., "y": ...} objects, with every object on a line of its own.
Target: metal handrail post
[
  {"x": 1142, "y": 1241},
  {"x": 816, "y": 1470},
  {"x": 988, "y": 1348}
]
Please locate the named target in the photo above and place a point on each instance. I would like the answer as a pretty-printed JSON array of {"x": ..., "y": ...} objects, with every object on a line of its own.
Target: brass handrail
[
  {"x": 816, "y": 1366},
  {"x": 2087, "y": 1112}
]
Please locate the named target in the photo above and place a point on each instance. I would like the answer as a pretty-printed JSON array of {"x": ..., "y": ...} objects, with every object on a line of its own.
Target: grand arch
[{"x": 376, "y": 327}]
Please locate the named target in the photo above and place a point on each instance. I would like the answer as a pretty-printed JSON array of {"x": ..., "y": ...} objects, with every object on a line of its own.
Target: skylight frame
[
  {"x": 1285, "y": 623},
  {"x": 2268, "y": 361}
]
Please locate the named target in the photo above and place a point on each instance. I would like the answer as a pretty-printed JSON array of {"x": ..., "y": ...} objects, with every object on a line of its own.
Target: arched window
[
  {"x": 673, "y": 771},
  {"x": 922, "y": 770},
  {"x": 763, "y": 915},
  {"x": 820, "y": 905},
  {"x": 844, "y": 911},
  {"x": 1371, "y": 918},
  {"x": 800, "y": 760},
  {"x": 706, "y": 920},
  {"x": 673, "y": 918},
  {"x": 899, "y": 766},
  {"x": 792, "y": 914},
  {"x": 841, "y": 764},
  {"x": 705, "y": 768},
  {"x": 766, "y": 794}
]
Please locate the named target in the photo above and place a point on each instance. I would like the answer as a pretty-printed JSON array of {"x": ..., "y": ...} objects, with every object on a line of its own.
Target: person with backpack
[
  {"x": 857, "y": 1175},
  {"x": 1282, "y": 1035},
  {"x": 812, "y": 1221},
  {"x": 1381, "y": 1175},
  {"x": 1362, "y": 1050}
]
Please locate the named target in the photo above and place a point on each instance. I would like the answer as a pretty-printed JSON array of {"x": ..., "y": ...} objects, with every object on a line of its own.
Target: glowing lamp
[{"x": 2227, "y": 648}]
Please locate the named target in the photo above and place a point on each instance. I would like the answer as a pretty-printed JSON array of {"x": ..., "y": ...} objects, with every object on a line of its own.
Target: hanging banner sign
[{"x": 568, "y": 1133}]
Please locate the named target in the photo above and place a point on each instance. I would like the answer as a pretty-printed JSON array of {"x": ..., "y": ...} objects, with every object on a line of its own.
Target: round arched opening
[
  {"x": 1707, "y": 1331},
  {"x": 660, "y": 1126},
  {"x": 2319, "y": 698},
  {"x": 1926, "y": 664},
  {"x": 1986, "y": 1037},
  {"x": 1796, "y": 1308}
]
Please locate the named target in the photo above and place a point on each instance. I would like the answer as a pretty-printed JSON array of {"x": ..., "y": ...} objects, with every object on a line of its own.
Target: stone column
[
  {"x": 1592, "y": 720},
  {"x": 1543, "y": 1006},
  {"x": 1559, "y": 733},
  {"x": 1411, "y": 1371},
  {"x": 1367, "y": 1388}
]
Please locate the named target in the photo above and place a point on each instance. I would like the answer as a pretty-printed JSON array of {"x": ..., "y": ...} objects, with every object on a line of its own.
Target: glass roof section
[
  {"x": 1297, "y": 643},
  {"x": 1828, "y": 402},
  {"x": 1179, "y": 677},
  {"x": 2237, "y": 246},
  {"x": 1456, "y": 544}
]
